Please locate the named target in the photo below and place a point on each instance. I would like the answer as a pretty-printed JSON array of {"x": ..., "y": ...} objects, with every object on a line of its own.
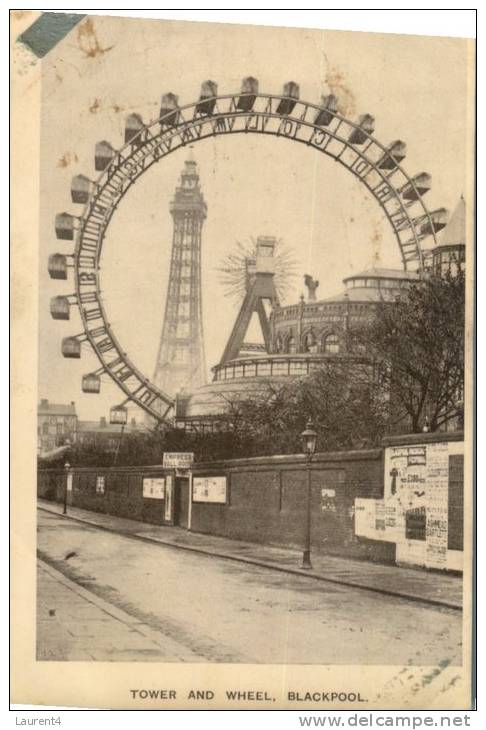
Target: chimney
[{"x": 103, "y": 422}]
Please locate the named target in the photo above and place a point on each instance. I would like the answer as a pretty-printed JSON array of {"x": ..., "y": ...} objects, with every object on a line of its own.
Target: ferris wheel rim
[{"x": 137, "y": 141}]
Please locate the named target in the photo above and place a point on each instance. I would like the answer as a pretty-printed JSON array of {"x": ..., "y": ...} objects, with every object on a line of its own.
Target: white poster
[
  {"x": 328, "y": 500},
  {"x": 209, "y": 489},
  {"x": 437, "y": 505},
  {"x": 154, "y": 488},
  {"x": 69, "y": 483},
  {"x": 168, "y": 498},
  {"x": 414, "y": 511}
]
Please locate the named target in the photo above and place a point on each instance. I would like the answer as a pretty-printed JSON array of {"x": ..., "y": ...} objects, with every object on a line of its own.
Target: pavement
[
  {"x": 419, "y": 585},
  {"x": 74, "y": 624}
]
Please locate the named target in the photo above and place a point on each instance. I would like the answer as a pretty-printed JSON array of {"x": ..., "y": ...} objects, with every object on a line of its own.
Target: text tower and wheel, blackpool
[{"x": 351, "y": 143}]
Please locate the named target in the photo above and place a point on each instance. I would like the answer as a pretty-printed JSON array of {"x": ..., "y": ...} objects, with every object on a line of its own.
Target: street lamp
[
  {"x": 309, "y": 438},
  {"x": 118, "y": 415},
  {"x": 67, "y": 466}
]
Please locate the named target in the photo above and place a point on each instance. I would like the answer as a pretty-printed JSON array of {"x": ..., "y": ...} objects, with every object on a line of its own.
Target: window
[
  {"x": 59, "y": 429},
  {"x": 331, "y": 344},
  {"x": 309, "y": 342},
  {"x": 291, "y": 347},
  {"x": 298, "y": 368},
  {"x": 45, "y": 428},
  {"x": 263, "y": 368}
]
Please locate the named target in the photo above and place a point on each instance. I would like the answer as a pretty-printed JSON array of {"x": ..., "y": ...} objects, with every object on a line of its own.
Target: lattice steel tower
[{"x": 181, "y": 361}]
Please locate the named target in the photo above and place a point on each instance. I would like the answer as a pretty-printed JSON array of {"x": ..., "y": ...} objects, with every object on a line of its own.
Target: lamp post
[
  {"x": 67, "y": 466},
  {"x": 309, "y": 438},
  {"x": 119, "y": 415}
]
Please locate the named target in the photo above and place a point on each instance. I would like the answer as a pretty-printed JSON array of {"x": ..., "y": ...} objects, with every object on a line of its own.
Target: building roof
[
  {"x": 55, "y": 409},
  {"x": 455, "y": 231},
  {"x": 104, "y": 426},
  {"x": 373, "y": 273},
  {"x": 361, "y": 294}
]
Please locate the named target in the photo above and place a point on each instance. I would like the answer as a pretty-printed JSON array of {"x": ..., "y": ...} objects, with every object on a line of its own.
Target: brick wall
[{"x": 266, "y": 499}]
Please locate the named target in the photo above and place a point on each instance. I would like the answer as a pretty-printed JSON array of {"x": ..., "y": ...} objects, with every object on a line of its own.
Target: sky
[{"x": 107, "y": 68}]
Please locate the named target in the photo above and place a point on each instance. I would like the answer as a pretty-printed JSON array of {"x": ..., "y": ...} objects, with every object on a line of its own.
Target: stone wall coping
[
  {"x": 422, "y": 438},
  {"x": 280, "y": 459}
]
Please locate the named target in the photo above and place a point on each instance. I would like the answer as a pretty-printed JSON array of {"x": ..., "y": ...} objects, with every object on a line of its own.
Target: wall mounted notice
[
  {"x": 328, "y": 500},
  {"x": 154, "y": 488},
  {"x": 414, "y": 511},
  {"x": 168, "y": 516},
  {"x": 209, "y": 489}
]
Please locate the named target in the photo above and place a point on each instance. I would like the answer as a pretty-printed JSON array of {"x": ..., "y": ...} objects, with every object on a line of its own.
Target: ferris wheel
[{"x": 321, "y": 126}]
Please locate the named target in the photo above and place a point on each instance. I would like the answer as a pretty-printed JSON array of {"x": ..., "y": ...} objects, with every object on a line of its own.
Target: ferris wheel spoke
[{"x": 351, "y": 143}]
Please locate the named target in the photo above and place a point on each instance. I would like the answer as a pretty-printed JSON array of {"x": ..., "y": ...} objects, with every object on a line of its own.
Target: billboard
[
  {"x": 209, "y": 489},
  {"x": 153, "y": 487}
]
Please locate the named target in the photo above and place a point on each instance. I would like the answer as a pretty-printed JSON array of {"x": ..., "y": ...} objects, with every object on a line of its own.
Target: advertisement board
[
  {"x": 169, "y": 488},
  {"x": 414, "y": 511},
  {"x": 209, "y": 489},
  {"x": 153, "y": 487}
]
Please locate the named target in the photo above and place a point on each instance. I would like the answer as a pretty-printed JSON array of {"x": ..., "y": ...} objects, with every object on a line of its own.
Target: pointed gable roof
[{"x": 455, "y": 231}]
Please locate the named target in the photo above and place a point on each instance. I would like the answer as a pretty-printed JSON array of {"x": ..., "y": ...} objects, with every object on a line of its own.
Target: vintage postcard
[{"x": 242, "y": 265}]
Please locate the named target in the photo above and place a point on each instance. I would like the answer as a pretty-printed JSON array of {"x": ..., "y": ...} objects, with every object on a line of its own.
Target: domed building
[{"x": 299, "y": 338}]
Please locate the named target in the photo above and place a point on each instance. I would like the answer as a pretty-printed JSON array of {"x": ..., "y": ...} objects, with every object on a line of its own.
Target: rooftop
[
  {"x": 373, "y": 273},
  {"x": 104, "y": 426},
  {"x": 56, "y": 409}
]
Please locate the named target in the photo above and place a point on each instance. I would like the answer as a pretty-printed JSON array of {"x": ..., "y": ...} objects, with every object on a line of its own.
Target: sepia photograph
[{"x": 249, "y": 464}]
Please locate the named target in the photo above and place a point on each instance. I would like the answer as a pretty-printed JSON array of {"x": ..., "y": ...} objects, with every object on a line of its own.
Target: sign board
[
  {"x": 169, "y": 487},
  {"x": 100, "y": 485},
  {"x": 69, "y": 483},
  {"x": 178, "y": 459},
  {"x": 153, "y": 488},
  {"x": 209, "y": 489},
  {"x": 328, "y": 500}
]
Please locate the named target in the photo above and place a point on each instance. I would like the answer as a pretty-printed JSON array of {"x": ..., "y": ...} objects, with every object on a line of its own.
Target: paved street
[
  {"x": 76, "y": 625},
  {"x": 116, "y": 598}
]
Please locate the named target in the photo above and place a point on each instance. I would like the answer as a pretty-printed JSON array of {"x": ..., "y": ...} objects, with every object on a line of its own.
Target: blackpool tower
[{"x": 181, "y": 360}]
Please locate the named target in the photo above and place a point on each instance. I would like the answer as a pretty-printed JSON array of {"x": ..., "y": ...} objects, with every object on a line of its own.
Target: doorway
[{"x": 181, "y": 502}]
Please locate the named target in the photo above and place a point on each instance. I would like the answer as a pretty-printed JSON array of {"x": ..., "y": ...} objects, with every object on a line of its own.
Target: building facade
[
  {"x": 301, "y": 337},
  {"x": 57, "y": 424},
  {"x": 104, "y": 434}
]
